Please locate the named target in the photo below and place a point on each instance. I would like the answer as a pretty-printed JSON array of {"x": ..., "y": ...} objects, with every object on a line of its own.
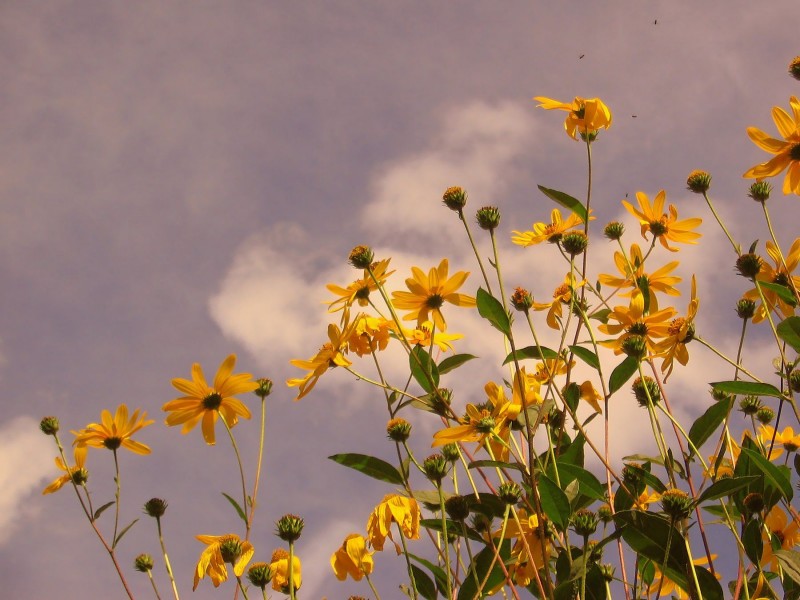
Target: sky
[{"x": 179, "y": 181}]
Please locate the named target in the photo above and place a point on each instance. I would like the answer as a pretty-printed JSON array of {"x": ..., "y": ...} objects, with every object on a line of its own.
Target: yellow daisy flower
[
  {"x": 548, "y": 369},
  {"x": 787, "y": 152},
  {"x": 114, "y": 432},
  {"x": 634, "y": 276},
  {"x": 352, "y": 558},
  {"x": 664, "y": 226},
  {"x": 776, "y": 274},
  {"x": 279, "y": 567},
  {"x": 527, "y": 533},
  {"x": 780, "y": 528},
  {"x": 562, "y": 296},
  {"x": 75, "y": 473},
  {"x": 369, "y": 334},
  {"x": 429, "y": 292},
  {"x": 205, "y": 403},
  {"x": 632, "y": 320},
  {"x": 222, "y": 549},
  {"x": 393, "y": 508},
  {"x": 679, "y": 333},
  {"x": 360, "y": 289},
  {"x": 784, "y": 440},
  {"x": 421, "y": 336},
  {"x": 330, "y": 355},
  {"x": 585, "y": 115},
  {"x": 669, "y": 587},
  {"x": 547, "y": 232}
]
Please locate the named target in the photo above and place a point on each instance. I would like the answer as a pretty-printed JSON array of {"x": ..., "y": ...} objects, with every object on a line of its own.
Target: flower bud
[
  {"x": 398, "y": 430},
  {"x": 604, "y": 513},
  {"x": 749, "y": 265},
  {"x": 455, "y": 198},
  {"x": 49, "y": 425},
  {"x": 510, "y": 493},
  {"x": 264, "y": 388},
  {"x": 646, "y": 391},
  {"x": 155, "y": 507},
  {"x": 259, "y": 574},
  {"x": 750, "y": 405},
  {"x": 488, "y": 217},
  {"x": 676, "y": 503},
  {"x": 764, "y": 415},
  {"x": 760, "y": 191},
  {"x": 754, "y": 502},
  {"x": 634, "y": 345},
  {"x": 698, "y": 182},
  {"x": 574, "y": 242},
  {"x": 289, "y": 527},
  {"x": 794, "y": 380},
  {"x": 521, "y": 300},
  {"x": 794, "y": 67},
  {"x": 584, "y": 522},
  {"x": 435, "y": 467},
  {"x": 450, "y": 452},
  {"x": 230, "y": 548},
  {"x": 614, "y": 230},
  {"x": 143, "y": 563},
  {"x": 457, "y": 508},
  {"x": 745, "y": 308},
  {"x": 441, "y": 401},
  {"x": 361, "y": 257}
]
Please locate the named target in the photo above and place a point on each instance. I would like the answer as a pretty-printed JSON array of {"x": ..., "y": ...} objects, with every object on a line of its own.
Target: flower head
[
  {"x": 669, "y": 587},
  {"x": 424, "y": 335},
  {"x": 634, "y": 320},
  {"x": 360, "y": 289},
  {"x": 77, "y": 474},
  {"x": 786, "y": 151},
  {"x": 205, "y": 403},
  {"x": 530, "y": 550},
  {"x": 114, "y": 432},
  {"x": 547, "y": 232},
  {"x": 663, "y": 225},
  {"x": 352, "y": 558},
  {"x": 679, "y": 333},
  {"x": 393, "y": 509},
  {"x": 331, "y": 354},
  {"x": 562, "y": 296},
  {"x": 427, "y": 294},
  {"x": 585, "y": 115},
  {"x": 779, "y": 274},
  {"x": 785, "y": 533},
  {"x": 221, "y": 549},
  {"x": 634, "y": 276},
  {"x": 279, "y": 567}
]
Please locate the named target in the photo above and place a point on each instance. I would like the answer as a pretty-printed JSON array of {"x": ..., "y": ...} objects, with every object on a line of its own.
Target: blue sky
[{"x": 179, "y": 180}]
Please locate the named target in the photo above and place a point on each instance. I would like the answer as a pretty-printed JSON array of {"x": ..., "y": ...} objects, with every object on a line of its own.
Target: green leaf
[
  {"x": 486, "y": 504},
  {"x": 622, "y": 373},
  {"x": 777, "y": 482},
  {"x": 492, "y": 310},
  {"x": 423, "y": 369},
  {"x": 537, "y": 352},
  {"x": 752, "y": 540},
  {"x": 424, "y": 584},
  {"x": 369, "y": 465},
  {"x": 475, "y": 464},
  {"x": 453, "y": 362},
  {"x": 573, "y": 455},
  {"x": 235, "y": 505},
  {"x": 101, "y": 510},
  {"x": 725, "y": 487},
  {"x": 707, "y": 423},
  {"x": 747, "y": 388},
  {"x": 784, "y": 293},
  {"x": 790, "y": 563},
  {"x": 555, "y": 503},
  {"x": 647, "y": 477},
  {"x": 586, "y": 355},
  {"x": 601, "y": 315},
  {"x": 482, "y": 561},
  {"x": 436, "y": 571},
  {"x": 123, "y": 532},
  {"x": 572, "y": 395},
  {"x": 590, "y": 488},
  {"x": 429, "y": 497},
  {"x": 566, "y": 201},
  {"x": 789, "y": 332}
]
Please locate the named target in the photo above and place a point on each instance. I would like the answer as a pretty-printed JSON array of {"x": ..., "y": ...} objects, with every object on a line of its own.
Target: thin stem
[
  {"x": 153, "y": 583},
  {"x": 241, "y": 586},
  {"x": 736, "y": 247},
  {"x": 241, "y": 472},
  {"x": 166, "y": 559},
  {"x": 290, "y": 571},
  {"x": 475, "y": 249},
  {"x": 408, "y": 564},
  {"x": 258, "y": 466},
  {"x": 372, "y": 587},
  {"x": 445, "y": 541},
  {"x": 116, "y": 496}
]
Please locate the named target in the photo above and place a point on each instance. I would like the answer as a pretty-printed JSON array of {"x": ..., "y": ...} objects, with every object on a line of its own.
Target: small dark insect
[
  {"x": 581, "y": 56},
  {"x": 655, "y": 22},
  {"x": 633, "y": 116}
]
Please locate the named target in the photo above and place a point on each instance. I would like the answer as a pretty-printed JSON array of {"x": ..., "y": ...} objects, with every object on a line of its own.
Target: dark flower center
[
  {"x": 794, "y": 153},
  {"x": 434, "y": 301},
  {"x": 363, "y": 293},
  {"x": 485, "y": 425},
  {"x": 212, "y": 401},
  {"x": 638, "y": 328},
  {"x": 781, "y": 279},
  {"x": 112, "y": 443},
  {"x": 659, "y": 228}
]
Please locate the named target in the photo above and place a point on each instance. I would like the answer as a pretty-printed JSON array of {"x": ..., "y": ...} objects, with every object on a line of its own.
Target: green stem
[
  {"x": 258, "y": 466},
  {"x": 736, "y": 247},
  {"x": 117, "y": 497},
  {"x": 475, "y": 250},
  {"x": 153, "y": 583},
  {"x": 372, "y": 587},
  {"x": 241, "y": 473},
  {"x": 445, "y": 542},
  {"x": 241, "y": 587},
  {"x": 290, "y": 571},
  {"x": 166, "y": 560},
  {"x": 408, "y": 564}
]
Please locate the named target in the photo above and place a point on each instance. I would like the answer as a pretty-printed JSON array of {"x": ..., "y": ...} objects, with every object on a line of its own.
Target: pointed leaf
[
  {"x": 747, "y": 388},
  {"x": 423, "y": 369},
  {"x": 555, "y": 503},
  {"x": 566, "y": 201},
  {"x": 789, "y": 332},
  {"x": 537, "y": 352},
  {"x": 453, "y": 362},
  {"x": 707, "y": 423},
  {"x": 123, "y": 532},
  {"x": 784, "y": 293},
  {"x": 492, "y": 310},
  {"x": 482, "y": 562},
  {"x": 424, "y": 584},
  {"x": 475, "y": 464},
  {"x": 438, "y": 572},
  {"x": 369, "y": 465},
  {"x": 776, "y": 479},
  {"x": 622, "y": 373},
  {"x": 725, "y": 487},
  {"x": 101, "y": 510},
  {"x": 752, "y": 541},
  {"x": 790, "y": 562},
  {"x": 235, "y": 505},
  {"x": 586, "y": 355}
]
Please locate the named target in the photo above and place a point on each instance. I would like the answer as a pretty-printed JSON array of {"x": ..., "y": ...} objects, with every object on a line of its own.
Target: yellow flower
[
  {"x": 788, "y": 534},
  {"x": 482, "y": 422},
  {"x": 669, "y": 587},
  {"x": 634, "y": 276},
  {"x": 561, "y": 296},
  {"x": 393, "y": 508},
  {"x": 203, "y": 402},
  {"x": 633, "y": 320},
  {"x": 585, "y": 115},
  {"x": 591, "y": 395},
  {"x": 279, "y": 567},
  {"x": 352, "y": 558},
  {"x": 369, "y": 334},
  {"x": 777, "y": 274},
  {"x": 664, "y": 226},
  {"x": 220, "y": 550},
  {"x": 550, "y": 232},
  {"x": 114, "y": 431},
  {"x": 421, "y": 336},
  {"x": 548, "y": 369},
  {"x": 330, "y": 355},
  {"x": 645, "y": 499},
  {"x": 787, "y": 152},
  {"x": 680, "y": 333},
  {"x": 528, "y": 536},
  {"x": 428, "y": 293},
  {"x": 359, "y": 290},
  {"x": 785, "y": 440},
  {"x": 69, "y": 472}
]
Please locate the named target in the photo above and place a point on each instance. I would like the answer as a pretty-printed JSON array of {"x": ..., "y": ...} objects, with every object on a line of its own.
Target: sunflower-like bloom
[
  {"x": 369, "y": 334},
  {"x": 76, "y": 473},
  {"x": 645, "y": 499},
  {"x": 664, "y": 226},
  {"x": 633, "y": 320},
  {"x": 783, "y": 531},
  {"x": 352, "y": 558},
  {"x": 669, "y": 587},
  {"x": 585, "y": 115},
  {"x": 777, "y": 274},
  {"x": 784, "y": 440},
  {"x": 393, "y": 508},
  {"x": 429, "y": 292},
  {"x": 786, "y": 151},
  {"x": 562, "y": 296},
  {"x": 634, "y": 276},
  {"x": 279, "y": 567},
  {"x": 203, "y": 402},
  {"x": 481, "y": 422},
  {"x": 548, "y": 369},
  {"x": 114, "y": 432},
  {"x": 424, "y": 335},
  {"x": 547, "y": 232},
  {"x": 221, "y": 549},
  {"x": 590, "y": 394},
  {"x": 331, "y": 354},
  {"x": 530, "y": 550},
  {"x": 360, "y": 289},
  {"x": 679, "y": 333}
]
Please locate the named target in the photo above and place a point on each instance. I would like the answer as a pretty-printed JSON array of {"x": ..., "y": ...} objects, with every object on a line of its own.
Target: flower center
[
  {"x": 112, "y": 443},
  {"x": 638, "y": 328},
  {"x": 434, "y": 301},
  {"x": 230, "y": 548},
  {"x": 779, "y": 534},
  {"x": 581, "y": 112},
  {"x": 552, "y": 233},
  {"x": 794, "y": 152},
  {"x": 675, "y": 326},
  {"x": 659, "y": 228},
  {"x": 781, "y": 279},
  {"x": 212, "y": 401},
  {"x": 484, "y": 425},
  {"x": 563, "y": 293},
  {"x": 363, "y": 293}
]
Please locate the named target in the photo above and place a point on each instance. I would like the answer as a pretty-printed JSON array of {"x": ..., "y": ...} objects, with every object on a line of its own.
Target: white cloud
[{"x": 27, "y": 460}]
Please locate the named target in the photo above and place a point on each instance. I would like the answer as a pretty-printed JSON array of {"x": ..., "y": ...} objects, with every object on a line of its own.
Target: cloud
[{"x": 27, "y": 460}]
